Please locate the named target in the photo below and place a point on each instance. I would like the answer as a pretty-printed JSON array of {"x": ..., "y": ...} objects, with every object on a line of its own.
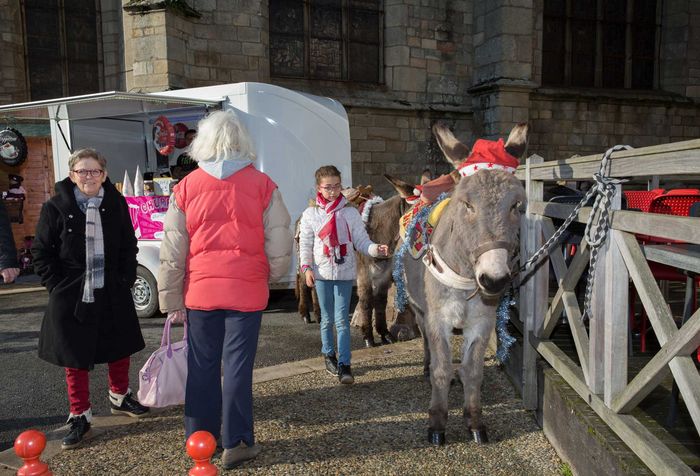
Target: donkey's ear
[
  {"x": 405, "y": 189},
  {"x": 517, "y": 140},
  {"x": 455, "y": 152}
]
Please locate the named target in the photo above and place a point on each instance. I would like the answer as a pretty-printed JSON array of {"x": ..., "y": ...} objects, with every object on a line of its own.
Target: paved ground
[
  {"x": 306, "y": 422},
  {"x": 33, "y": 392}
]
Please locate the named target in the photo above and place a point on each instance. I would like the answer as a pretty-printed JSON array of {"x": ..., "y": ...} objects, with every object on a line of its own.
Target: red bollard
[
  {"x": 29, "y": 446},
  {"x": 201, "y": 446}
]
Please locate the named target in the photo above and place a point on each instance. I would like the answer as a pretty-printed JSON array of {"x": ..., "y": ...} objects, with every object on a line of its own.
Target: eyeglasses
[
  {"x": 330, "y": 188},
  {"x": 88, "y": 173}
]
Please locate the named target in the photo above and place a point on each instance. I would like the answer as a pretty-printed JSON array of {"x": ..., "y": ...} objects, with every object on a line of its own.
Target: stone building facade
[{"x": 480, "y": 66}]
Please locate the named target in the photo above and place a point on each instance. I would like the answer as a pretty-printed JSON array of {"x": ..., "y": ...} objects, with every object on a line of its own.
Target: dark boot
[
  {"x": 79, "y": 430},
  {"x": 331, "y": 364},
  {"x": 345, "y": 374},
  {"x": 126, "y": 405}
]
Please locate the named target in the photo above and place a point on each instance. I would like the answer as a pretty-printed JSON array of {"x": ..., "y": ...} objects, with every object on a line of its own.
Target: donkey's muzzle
[{"x": 493, "y": 285}]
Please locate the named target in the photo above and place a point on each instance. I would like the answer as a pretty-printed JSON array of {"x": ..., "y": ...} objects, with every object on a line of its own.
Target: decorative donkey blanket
[{"x": 423, "y": 228}]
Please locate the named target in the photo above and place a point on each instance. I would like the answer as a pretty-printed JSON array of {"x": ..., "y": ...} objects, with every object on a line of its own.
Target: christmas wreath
[{"x": 163, "y": 135}]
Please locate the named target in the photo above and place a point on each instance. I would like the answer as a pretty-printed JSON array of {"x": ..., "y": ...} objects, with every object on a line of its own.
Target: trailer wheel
[{"x": 145, "y": 293}]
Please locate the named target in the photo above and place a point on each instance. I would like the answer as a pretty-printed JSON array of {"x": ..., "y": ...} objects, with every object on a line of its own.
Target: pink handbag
[{"x": 163, "y": 377}]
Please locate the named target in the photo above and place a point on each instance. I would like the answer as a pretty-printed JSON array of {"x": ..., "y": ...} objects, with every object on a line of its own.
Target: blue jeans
[
  {"x": 334, "y": 301},
  {"x": 212, "y": 335}
]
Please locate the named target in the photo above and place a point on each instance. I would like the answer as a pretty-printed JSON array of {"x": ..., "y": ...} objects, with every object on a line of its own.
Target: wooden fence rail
[{"x": 600, "y": 376}]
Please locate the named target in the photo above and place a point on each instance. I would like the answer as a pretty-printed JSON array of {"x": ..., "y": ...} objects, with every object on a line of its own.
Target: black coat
[
  {"x": 8, "y": 253},
  {"x": 73, "y": 333}
]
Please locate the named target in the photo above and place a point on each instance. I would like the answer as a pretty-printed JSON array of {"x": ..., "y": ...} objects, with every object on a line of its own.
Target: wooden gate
[{"x": 600, "y": 376}]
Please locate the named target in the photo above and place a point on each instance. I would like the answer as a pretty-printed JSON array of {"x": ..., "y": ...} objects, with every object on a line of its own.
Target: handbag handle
[{"x": 165, "y": 339}]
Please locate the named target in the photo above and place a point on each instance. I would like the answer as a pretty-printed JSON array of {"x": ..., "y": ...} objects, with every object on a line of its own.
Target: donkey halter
[{"x": 449, "y": 277}]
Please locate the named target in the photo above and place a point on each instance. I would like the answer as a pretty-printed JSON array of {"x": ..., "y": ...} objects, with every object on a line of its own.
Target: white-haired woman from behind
[{"x": 226, "y": 235}]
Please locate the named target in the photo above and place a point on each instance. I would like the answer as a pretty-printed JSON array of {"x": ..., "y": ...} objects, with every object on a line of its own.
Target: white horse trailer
[{"x": 293, "y": 134}]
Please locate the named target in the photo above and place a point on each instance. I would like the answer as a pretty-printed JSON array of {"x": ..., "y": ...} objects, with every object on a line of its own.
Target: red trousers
[{"x": 78, "y": 382}]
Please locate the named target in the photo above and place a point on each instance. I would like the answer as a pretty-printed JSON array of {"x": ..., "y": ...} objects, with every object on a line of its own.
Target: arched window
[
  {"x": 61, "y": 47},
  {"x": 326, "y": 39}
]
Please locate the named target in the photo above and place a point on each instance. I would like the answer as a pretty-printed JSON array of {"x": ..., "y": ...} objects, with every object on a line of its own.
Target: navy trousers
[{"x": 211, "y": 336}]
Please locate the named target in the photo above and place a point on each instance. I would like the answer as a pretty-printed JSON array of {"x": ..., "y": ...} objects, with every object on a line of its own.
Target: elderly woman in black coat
[{"x": 85, "y": 253}]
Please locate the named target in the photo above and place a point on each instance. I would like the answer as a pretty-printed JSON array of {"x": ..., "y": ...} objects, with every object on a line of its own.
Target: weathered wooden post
[
  {"x": 534, "y": 292},
  {"x": 609, "y": 319}
]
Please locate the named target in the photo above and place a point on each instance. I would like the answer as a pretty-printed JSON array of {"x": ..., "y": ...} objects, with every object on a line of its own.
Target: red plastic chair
[
  {"x": 674, "y": 202},
  {"x": 641, "y": 199}
]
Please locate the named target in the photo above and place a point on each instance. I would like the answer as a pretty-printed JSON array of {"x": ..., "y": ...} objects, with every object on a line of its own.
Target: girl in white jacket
[{"x": 328, "y": 232}]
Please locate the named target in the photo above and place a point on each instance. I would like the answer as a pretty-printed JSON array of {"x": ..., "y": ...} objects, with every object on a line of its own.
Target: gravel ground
[{"x": 308, "y": 424}]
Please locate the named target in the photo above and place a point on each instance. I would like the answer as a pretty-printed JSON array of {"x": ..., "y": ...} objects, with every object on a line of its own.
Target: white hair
[{"x": 221, "y": 136}]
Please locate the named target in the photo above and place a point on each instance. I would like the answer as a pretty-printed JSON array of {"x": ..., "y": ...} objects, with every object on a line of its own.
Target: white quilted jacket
[{"x": 311, "y": 246}]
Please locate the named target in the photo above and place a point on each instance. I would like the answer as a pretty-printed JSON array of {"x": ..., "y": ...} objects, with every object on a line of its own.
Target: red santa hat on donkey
[{"x": 488, "y": 155}]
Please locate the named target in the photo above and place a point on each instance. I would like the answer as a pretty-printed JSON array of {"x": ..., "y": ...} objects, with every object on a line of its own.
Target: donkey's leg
[
  {"x": 363, "y": 310},
  {"x": 380, "y": 298},
  {"x": 476, "y": 337},
  {"x": 303, "y": 301},
  {"x": 426, "y": 357},
  {"x": 440, "y": 377}
]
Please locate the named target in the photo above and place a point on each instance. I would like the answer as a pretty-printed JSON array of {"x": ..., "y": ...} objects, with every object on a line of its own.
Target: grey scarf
[{"x": 94, "y": 243}]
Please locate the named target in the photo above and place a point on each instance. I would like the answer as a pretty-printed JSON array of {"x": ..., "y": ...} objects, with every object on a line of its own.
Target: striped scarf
[
  {"x": 334, "y": 232},
  {"x": 94, "y": 243}
]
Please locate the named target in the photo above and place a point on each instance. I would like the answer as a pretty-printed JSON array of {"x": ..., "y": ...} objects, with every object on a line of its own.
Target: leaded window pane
[
  {"x": 364, "y": 63},
  {"x": 287, "y": 55},
  {"x": 325, "y": 59},
  {"x": 364, "y": 26},
  {"x": 287, "y": 16}
]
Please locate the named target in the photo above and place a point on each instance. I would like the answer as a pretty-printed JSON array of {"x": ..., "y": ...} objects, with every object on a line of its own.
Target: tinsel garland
[
  {"x": 398, "y": 272},
  {"x": 367, "y": 209},
  {"x": 505, "y": 340}
]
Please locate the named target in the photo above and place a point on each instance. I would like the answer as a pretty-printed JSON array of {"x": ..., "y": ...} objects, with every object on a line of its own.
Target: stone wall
[
  {"x": 427, "y": 50},
  {"x": 398, "y": 143},
  {"x": 145, "y": 52},
  {"x": 427, "y": 71},
  {"x": 564, "y": 124},
  {"x": 227, "y": 44},
  {"x": 13, "y": 86}
]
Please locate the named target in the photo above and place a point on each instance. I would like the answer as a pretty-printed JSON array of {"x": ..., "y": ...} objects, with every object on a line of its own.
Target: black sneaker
[
  {"x": 79, "y": 430},
  {"x": 345, "y": 374},
  {"x": 129, "y": 406},
  {"x": 331, "y": 364}
]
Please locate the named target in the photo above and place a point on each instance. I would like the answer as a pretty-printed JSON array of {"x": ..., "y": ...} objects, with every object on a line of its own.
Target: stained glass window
[
  {"x": 326, "y": 39},
  {"x": 600, "y": 43},
  {"x": 62, "y": 42}
]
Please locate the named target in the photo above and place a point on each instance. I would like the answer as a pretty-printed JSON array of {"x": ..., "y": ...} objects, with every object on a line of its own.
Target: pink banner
[{"x": 147, "y": 216}]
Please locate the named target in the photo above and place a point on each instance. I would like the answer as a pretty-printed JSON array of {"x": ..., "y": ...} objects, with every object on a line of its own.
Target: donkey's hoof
[
  {"x": 436, "y": 437},
  {"x": 387, "y": 339},
  {"x": 479, "y": 435},
  {"x": 370, "y": 343},
  {"x": 307, "y": 319}
]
